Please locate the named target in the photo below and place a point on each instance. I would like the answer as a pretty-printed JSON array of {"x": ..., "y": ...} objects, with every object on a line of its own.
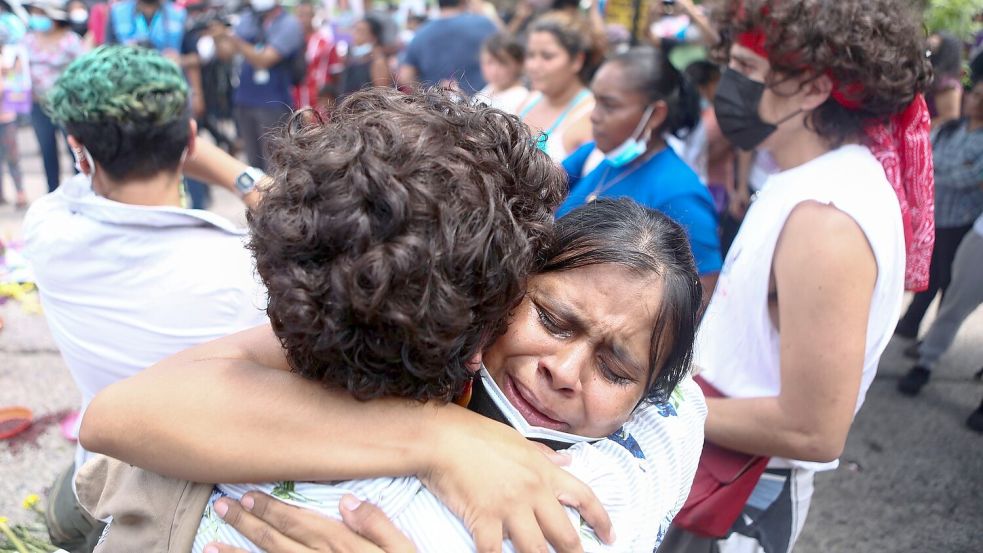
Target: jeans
[
  {"x": 964, "y": 295},
  {"x": 47, "y": 133},
  {"x": 255, "y": 126},
  {"x": 939, "y": 274},
  {"x": 10, "y": 156}
]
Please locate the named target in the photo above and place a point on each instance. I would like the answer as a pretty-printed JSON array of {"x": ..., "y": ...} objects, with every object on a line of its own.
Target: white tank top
[{"x": 738, "y": 346}]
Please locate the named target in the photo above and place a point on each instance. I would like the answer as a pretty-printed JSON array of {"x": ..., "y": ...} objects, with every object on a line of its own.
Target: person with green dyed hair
[
  {"x": 128, "y": 275},
  {"x": 126, "y": 113}
]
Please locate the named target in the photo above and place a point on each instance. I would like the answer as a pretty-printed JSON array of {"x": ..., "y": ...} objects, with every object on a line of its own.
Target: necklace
[{"x": 603, "y": 185}]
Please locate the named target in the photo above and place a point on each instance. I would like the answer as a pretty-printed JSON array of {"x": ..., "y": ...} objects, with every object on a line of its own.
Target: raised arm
[{"x": 219, "y": 413}]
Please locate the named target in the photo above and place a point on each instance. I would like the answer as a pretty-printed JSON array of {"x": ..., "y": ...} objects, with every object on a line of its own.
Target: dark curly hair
[
  {"x": 622, "y": 232},
  {"x": 874, "y": 49},
  {"x": 397, "y": 237}
]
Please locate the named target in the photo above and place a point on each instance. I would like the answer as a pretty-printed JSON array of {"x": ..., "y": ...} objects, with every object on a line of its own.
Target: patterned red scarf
[{"x": 904, "y": 149}]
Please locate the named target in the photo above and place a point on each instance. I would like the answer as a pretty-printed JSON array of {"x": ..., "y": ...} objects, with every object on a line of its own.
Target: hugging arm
[{"x": 219, "y": 412}]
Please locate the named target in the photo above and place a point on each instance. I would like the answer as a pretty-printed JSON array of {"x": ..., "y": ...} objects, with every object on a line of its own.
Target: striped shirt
[
  {"x": 642, "y": 475},
  {"x": 958, "y": 156}
]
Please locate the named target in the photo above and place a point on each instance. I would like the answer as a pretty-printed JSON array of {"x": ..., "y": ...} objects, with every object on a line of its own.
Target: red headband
[
  {"x": 903, "y": 148},
  {"x": 849, "y": 95}
]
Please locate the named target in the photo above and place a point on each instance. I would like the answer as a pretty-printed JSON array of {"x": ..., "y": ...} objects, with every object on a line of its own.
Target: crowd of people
[{"x": 655, "y": 254}]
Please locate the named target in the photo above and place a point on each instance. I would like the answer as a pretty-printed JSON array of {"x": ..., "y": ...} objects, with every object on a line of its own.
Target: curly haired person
[
  {"x": 812, "y": 287},
  {"x": 407, "y": 246}
]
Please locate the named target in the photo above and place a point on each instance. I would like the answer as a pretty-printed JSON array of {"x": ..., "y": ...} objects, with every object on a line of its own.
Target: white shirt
[
  {"x": 507, "y": 100},
  {"x": 737, "y": 345},
  {"x": 642, "y": 476},
  {"x": 124, "y": 286},
  {"x": 978, "y": 225}
]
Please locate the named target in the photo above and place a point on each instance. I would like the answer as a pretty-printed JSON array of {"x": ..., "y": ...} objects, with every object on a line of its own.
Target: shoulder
[
  {"x": 821, "y": 241},
  {"x": 122, "y": 8},
  {"x": 289, "y": 24},
  {"x": 674, "y": 176},
  {"x": 176, "y": 11},
  {"x": 479, "y": 21}
]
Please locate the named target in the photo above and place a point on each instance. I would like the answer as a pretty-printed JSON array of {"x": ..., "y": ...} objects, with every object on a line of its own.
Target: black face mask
[{"x": 736, "y": 105}]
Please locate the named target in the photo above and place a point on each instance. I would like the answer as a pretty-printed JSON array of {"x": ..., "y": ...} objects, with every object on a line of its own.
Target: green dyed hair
[
  {"x": 124, "y": 84},
  {"x": 128, "y": 106}
]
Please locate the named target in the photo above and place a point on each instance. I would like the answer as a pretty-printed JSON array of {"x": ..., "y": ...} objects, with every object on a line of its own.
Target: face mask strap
[{"x": 646, "y": 117}]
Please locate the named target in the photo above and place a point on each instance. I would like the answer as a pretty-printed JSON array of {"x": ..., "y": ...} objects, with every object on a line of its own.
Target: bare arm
[
  {"x": 824, "y": 274},
  {"x": 379, "y": 70},
  {"x": 192, "y": 69},
  {"x": 408, "y": 76},
  {"x": 709, "y": 34},
  {"x": 210, "y": 164},
  {"x": 200, "y": 442},
  {"x": 219, "y": 413}
]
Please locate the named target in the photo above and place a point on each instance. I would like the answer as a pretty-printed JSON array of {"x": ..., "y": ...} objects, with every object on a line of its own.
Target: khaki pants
[{"x": 69, "y": 525}]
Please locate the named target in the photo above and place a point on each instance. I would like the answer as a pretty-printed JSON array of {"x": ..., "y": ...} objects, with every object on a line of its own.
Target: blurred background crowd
[{"x": 250, "y": 63}]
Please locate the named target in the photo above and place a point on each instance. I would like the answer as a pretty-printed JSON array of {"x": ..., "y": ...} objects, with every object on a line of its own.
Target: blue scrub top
[{"x": 664, "y": 183}]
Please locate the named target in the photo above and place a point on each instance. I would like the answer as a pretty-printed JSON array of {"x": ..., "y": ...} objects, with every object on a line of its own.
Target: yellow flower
[
  {"x": 30, "y": 501},
  {"x": 3, "y": 520}
]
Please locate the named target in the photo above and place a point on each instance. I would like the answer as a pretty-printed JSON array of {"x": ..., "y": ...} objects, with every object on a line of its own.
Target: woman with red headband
[{"x": 810, "y": 292}]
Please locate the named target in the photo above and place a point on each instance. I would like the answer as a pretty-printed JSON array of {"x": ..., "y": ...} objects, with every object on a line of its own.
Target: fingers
[
  {"x": 255, "y": 530},
  {"x": 371, "y": 523},
  {"x": 558, "y": 458},
  {"x": 298, "y": 524},
  {"x": 578, "y": 495},
  {"x": 557, "y": 527},
  {"x": 525, "y": 533},
  {"x": 488, "y": 536}
]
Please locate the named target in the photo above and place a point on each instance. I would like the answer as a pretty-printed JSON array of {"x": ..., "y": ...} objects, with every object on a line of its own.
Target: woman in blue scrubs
[{"x": 640, "y": 98}]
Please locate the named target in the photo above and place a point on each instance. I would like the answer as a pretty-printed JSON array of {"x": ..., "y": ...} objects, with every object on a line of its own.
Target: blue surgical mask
[
  {"x": 361, "y": 50},
  {"x": 40, "y": 23},
  {"x": 635, "y": 146}
]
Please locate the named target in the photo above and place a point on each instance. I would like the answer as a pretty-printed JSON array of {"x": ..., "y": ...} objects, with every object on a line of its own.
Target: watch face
[{"x": 245, "y": 183}]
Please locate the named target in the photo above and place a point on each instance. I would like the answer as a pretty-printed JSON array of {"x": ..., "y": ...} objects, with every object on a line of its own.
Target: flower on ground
[{"x": 30, "y": 501}]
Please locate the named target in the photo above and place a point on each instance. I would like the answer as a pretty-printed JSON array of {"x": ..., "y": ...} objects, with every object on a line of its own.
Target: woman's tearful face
[{"x": 576, "y": 355}]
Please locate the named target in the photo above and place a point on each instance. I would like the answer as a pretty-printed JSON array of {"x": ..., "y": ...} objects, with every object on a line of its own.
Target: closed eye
[
  {"x": 611, "y": 375},
  {"x": 551, "y": 324}
]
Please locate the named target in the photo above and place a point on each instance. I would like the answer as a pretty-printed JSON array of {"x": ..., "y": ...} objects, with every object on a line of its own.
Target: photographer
[{"x": 267, "y": 38}]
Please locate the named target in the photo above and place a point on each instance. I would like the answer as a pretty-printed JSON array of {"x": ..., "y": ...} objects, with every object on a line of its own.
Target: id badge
[{"x": 260, "y": 76}]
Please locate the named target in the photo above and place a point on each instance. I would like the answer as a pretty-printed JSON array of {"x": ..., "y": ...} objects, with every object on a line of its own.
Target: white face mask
[
  {"x": 360, "y": 50},
  {"x": 88, "y": 160},
  {"x": 517, "y": 421},
  {"x": 263, "y": 6},
  {"x": 206, "y": 48},
  {"x": 78, "y": 16},
  {"x": 631, "y": 149}
]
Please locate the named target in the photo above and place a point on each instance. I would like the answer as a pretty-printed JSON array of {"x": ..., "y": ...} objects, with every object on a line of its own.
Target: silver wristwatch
[{"x": 247, "y": 180}]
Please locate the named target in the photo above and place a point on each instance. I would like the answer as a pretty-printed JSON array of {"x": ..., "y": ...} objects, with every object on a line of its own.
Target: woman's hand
[
  {"x": 276, "y": 527},
  {"x": 503, "y": 486}
]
